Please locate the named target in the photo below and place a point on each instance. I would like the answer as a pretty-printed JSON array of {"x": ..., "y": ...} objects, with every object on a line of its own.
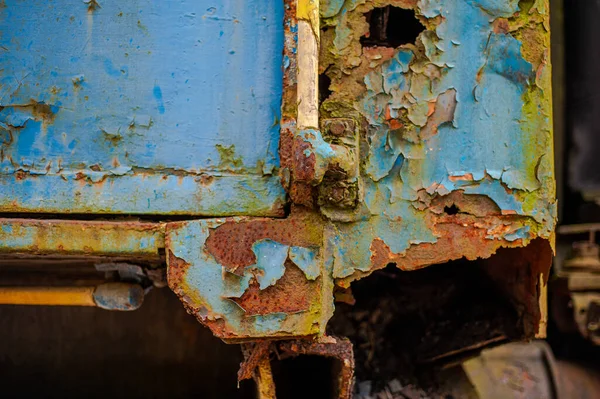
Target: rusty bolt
[
  {"x": 338, "y": 128},
  {"x": 341, "y": 194}
]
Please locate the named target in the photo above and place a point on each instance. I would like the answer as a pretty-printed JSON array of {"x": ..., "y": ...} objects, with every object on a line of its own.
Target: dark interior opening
[
  {"x": 305, "y": 377},
  {"x": 405, "y": 324},
  {"x": 451, "y": 210},
  {"x": 324, "y": 87},
  {"x": 391, "y": 27}
]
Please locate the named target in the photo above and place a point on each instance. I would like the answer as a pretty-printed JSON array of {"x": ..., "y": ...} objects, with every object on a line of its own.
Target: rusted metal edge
[{"x": 88, "y": 238}]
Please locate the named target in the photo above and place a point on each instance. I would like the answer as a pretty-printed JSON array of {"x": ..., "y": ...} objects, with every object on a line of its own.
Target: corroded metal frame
[{"x": 254, "y": 278}]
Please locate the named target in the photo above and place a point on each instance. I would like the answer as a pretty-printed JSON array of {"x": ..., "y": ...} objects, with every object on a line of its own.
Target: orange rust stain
[
  {"x": 501, "y": 26},
  {"x": 388, "y": 114},
  {"x": 231, "y": 242},
  {"x": 303, "y": 167},
  {"x": 291, "y": 294},
  {"x": 465, "y": 177},
  {"x": 206, "y": 180},
  {"x": 460, "y": 235},
  {"x": 176, "y": 271},
  {"x": 380, "y": 54},
  {"x": 431, "y": 107}
]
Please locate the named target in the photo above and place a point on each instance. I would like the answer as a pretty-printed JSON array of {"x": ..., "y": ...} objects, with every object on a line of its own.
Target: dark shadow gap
[
  {"x": 404, "y": 324},
  {"x": 305, "y": 377},
  {"x": 391, "y": 27}
]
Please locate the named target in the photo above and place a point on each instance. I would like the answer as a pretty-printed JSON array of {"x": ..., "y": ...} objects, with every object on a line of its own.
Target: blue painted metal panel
[{"x": 141, "y": 107}]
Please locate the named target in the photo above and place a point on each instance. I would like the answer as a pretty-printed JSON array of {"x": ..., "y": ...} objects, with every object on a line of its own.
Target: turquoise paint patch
[
  {"x": 306, "y": 260},
  {"x": 210, "y": 285},
  {"x": 270, "y": 259},
  {"x": 486, "y": 149}
]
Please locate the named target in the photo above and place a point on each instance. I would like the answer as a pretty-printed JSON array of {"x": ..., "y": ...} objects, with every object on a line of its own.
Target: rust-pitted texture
[
  {"x": 336, "y": 348},
  {"x": 75, "y": 238},
  {"x": 231, "y": 243},
  {"x": 521, "y": 274},
  {"x": 291, "y": 294},
  {"x": 304, "y": 160},
  {"x": 252, "y": 278},
  {"x": 455, "y": 130}
]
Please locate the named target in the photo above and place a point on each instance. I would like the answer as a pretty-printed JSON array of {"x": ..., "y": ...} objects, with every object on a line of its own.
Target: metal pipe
[{"x": 110, "y": 296}]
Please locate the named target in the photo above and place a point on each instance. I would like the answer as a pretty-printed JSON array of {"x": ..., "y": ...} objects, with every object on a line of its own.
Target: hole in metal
[
  {"x": 391, "y": 27},
  {"x": 451, "y": 210}
]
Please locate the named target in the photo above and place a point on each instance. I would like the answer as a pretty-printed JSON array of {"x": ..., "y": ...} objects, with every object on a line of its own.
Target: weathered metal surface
[
  {"x": 455, "y": 150},
  {"x": 81, "y": 238},
  {"x": 141, "y": 108},
  {"x": 461, "y": 117},
  {"x": 339, "y": 349},
  {"x": 417, "y": 154},
  {"x": 252, "y": 278}
]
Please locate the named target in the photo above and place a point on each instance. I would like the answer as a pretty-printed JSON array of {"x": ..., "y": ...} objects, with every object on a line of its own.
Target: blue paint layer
[
  {"x": 207, "y": 287},
  {"x": 270, "y": 258},
  {"x": 462, "y": 115},
  {"x": 151, "y": 85}
]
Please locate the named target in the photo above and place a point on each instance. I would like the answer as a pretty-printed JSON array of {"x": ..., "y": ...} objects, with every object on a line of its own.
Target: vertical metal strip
[{"x": 307, "y": 13}]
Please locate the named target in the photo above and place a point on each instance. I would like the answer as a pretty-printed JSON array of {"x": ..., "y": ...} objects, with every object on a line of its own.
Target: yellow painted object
[
  {"x": 110, "y": 296},
  {"x": 52, "y": 296}
]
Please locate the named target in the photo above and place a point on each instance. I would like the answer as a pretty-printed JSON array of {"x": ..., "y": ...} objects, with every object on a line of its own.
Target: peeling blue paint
[
  {"x": 145, "y": 85},
  {"x": 207, "y": 287},
  {"x": 489, "y": 144},
  {"x": 270, "y": 258}
]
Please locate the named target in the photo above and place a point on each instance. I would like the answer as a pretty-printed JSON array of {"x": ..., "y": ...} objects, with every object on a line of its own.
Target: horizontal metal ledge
[
  {"x": 74, "y": 237},
  {"x": 144, "y": 194}
]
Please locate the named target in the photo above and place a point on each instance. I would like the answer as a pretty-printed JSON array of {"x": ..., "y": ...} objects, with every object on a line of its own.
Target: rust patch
[
  {"x": 459, "y": 235},
  {"x": 231, "y": 242},
  {"x": 290, "y": 294},
  {"x": 176, "y": 271},
  {"x": 501, "y": 25},
  {"x": 303, "y": 166},
  {"x": 472, "y": 204},
  {"x": 442, "y": 112},
  {"x": 92, "y": 5},
  {"x": 286, "y": 141},
  {"x": 302, "y": 194},
  {"x": 254, "y": 354},
  {"x": 517, "y": 273}
]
